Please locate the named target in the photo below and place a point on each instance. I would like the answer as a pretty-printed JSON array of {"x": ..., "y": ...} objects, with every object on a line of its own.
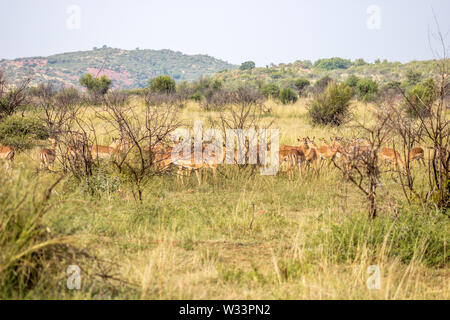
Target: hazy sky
[{"x": 265, "y": 31}]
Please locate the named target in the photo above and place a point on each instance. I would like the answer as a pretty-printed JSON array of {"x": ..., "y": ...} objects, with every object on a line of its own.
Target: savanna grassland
[{"x": 243, "y": 236}]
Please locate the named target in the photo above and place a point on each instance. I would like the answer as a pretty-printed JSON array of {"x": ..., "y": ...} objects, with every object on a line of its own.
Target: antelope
[
  {"x": 188, "y": 163},
  {"x": 290, "y": 158},
  {"x": 48, "y": 156},
  {"x": 417, "y": 154},
  {"x": 106, "y": 152},
  {"x": 392, "y": 156},
  {"x": 7, "y": 154},
  {"x": 326, "y": 152},
  {"x": 299, "y": 157},
  {"x": 309, "y": 152}
]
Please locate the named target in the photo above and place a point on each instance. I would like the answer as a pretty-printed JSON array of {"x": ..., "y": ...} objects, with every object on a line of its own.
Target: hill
[{"x": 126, "y": 68}]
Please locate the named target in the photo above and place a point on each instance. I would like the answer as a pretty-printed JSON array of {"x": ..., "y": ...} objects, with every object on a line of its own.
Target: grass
[{"x": 241, "y": 237}]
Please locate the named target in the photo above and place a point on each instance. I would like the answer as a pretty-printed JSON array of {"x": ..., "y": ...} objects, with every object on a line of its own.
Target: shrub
[
  {"x": 322, "y": 84},
  {"x": 95, "y": 85},
  {"x": 287, "y": 95},
  {"x": 162, "y": 84},
  {"x": 332, "y": 106},
  {"x": 270, "y": 90},
  {"x": 420, "y": 99},
  {"x": 301, "y": 85},
  {"x": 352, "y": 81},
  {"x": 21, "y": 133},
  {"x": 366, "y": 89}
]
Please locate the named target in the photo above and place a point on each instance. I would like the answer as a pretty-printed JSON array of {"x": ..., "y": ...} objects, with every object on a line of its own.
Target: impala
[
  {"x": 310, "y": 152},
  {"x": 392, "y": 156},
  {"x": 106, "y": 152},
  {"x": 7, "y": 155},
  {"x": 417, "y": 154},
  {"x": 48, "y": 156}
]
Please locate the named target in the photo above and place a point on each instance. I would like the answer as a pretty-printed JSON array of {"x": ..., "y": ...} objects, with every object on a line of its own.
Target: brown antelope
[
  {"x": 106, "y": 152},
  {"x": 299, "y": 156},
  {"x": 326, "y": 152},
  {"x": 290, "y": 158},
  {"x": 48, "y": 156},
  {"x": 392, "y": 156},
  {"x": 417, "y": 154},
  {"x": 7, "y": 154},
  {"x": 310, "y": 152}
]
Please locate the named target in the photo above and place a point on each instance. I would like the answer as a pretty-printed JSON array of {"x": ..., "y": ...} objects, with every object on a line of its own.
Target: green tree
[
  {"x": 287, "y": 95},
  {"x": 162, "y": 84},
  {"x": 332, "y": 106},
  {"x": 332, "y": 64},
  {"x": 301, "y": 85},
  {"x": 270, "y": 90},
  {"x": 22, "y": 133},
  {"x": 248, "y": 65},
  {"x": 95, "y": 85},
  {"x": 366, "y": 89},
  {"x": 420, "y": 99}
]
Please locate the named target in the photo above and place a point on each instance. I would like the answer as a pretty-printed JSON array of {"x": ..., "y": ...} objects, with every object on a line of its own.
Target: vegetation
[
  {"x": 248, "y": 65},
  {"x": 332, "y": 106},
  {"x": 270, "y": 90},
  {"x": 22, "y": 133},
  {"x": 162, "y": 84},
  {"x": 95, "y": 85},
  {"x": 366, "y": 89},
  {"x": 287, "y": 96}
]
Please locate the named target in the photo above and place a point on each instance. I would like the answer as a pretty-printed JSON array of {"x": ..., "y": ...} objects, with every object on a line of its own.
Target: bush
[
  {"x": 352, "y": 81},
  {"x": 366, "y": 89},
  {"x": 332, "y": 106},
  {"x": 270, "y": 90},
  {"x": 322, "y": 84},
  {"x": 162, "y": 84},
  {"x": 420, "y": 99},
  {"x": 287, "y": 95},
  {"x": 96, "y": 86},
  {"x": 22, "y": 133},
  {"x": 301, "y": 85}
]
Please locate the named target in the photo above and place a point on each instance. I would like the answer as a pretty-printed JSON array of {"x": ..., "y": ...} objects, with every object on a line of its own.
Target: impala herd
[{"x": 306, "y": 155}]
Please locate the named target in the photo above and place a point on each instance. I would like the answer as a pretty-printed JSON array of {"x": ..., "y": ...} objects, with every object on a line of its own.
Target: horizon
[{"x": 266, "y": 32}]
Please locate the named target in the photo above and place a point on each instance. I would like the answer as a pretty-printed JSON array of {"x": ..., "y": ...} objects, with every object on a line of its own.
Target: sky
[{"x": 264, "y": 31}]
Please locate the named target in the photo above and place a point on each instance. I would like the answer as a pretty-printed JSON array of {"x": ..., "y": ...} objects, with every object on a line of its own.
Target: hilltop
[{"x": 126, "y": 68}]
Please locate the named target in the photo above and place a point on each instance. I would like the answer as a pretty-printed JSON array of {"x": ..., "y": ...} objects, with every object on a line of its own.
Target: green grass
[{"x": 240, "y": 237}]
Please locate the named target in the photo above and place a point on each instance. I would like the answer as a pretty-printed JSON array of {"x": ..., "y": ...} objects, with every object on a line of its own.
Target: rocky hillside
[{"x": 126, "y": 68}]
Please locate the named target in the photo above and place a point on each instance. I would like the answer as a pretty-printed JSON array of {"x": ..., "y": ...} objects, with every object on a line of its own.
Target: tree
[
  {"x": 248, "y": 65},
  {"x": 270, "y": 90},
  {"x": 301, "y": 85},
  {"x": 366, "y": 89},
  {"x": 162, "y": 84},
  {"x": 95, "y": 85},
  {"x": 332, "y": 64},
  {"x": 287, "y": 95}
]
